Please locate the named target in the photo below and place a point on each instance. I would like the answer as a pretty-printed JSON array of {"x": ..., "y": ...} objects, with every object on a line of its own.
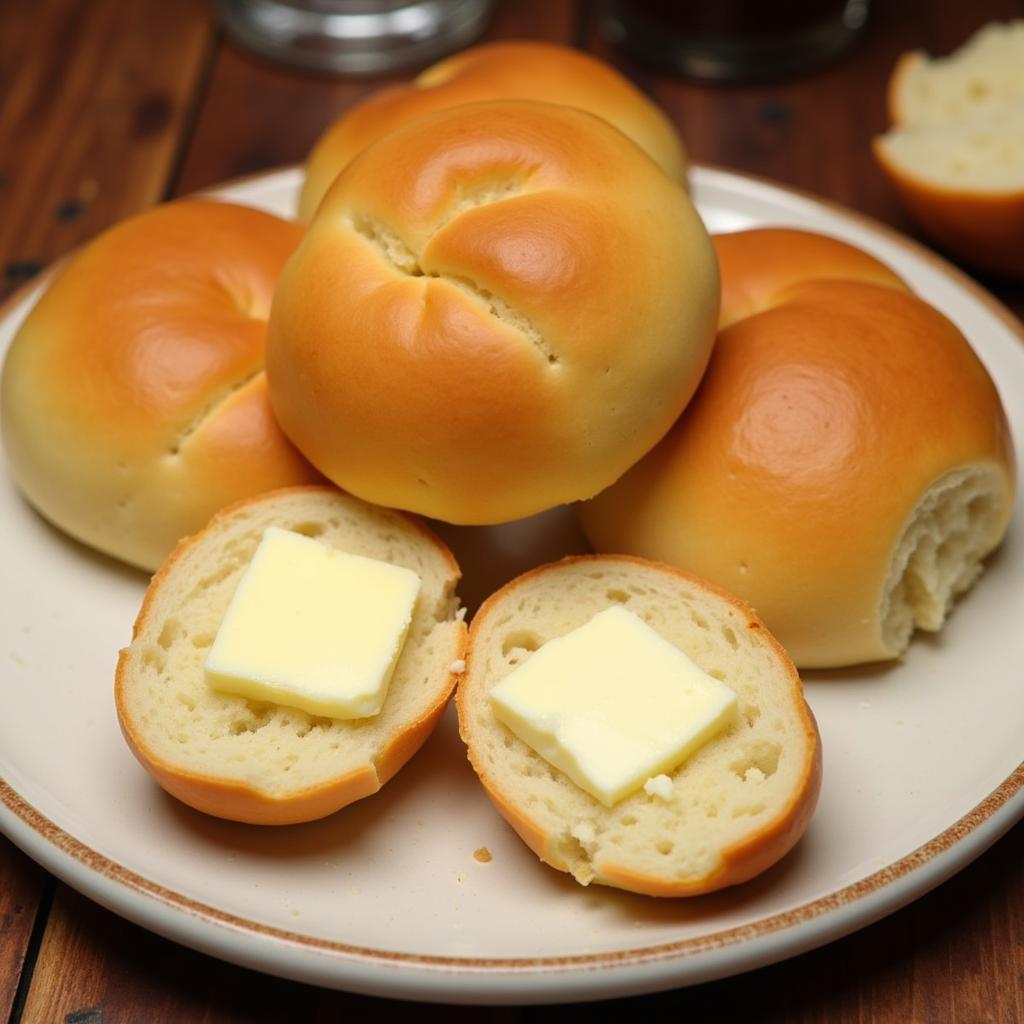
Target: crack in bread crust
[
  {"x": 393, "y": 249},
  {"x": 208, "y": 410}
]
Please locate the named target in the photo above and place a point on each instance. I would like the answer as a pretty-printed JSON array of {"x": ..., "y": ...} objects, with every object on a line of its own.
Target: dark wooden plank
[
  {"x": 23, "y": 888},
  {"x": 95, "y": 968},
  {"x": 96, "y": 98},
  {"x": 257, "y": 115},
  {"x": 956, "y": 955}
]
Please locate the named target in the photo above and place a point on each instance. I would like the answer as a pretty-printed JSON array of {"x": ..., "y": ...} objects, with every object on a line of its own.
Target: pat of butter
[
  {"x": 313, "y": 627},
  {"x": 612, "y": 704}
]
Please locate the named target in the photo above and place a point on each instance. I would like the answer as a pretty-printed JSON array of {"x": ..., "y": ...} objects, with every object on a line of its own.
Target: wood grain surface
[
  {"x": 97, "y": 100},
  {"x": 112, "y": 105}
]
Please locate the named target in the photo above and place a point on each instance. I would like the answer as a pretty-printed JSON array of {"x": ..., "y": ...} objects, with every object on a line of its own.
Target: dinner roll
[
  {"x": 955, "y": 153},
  {"x": 134, "y": 402},
  {"x": 494, "y": 71},
  {"x": 266, "y": 763},
  {"x": 845, "y": 465},
  {"x": 498, "y": 308},
  {"x": 727, "y": 813}
]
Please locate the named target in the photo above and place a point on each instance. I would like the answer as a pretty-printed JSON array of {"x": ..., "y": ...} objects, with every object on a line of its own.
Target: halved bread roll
[
  {"x": 737, "y": 805},
  {"x": 981, "y": 77},
  {"x": 955, "y": 153},
  {"x": 260, "y": 762}
]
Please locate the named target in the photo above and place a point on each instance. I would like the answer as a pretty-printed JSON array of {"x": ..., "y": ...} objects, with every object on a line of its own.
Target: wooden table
[{"x": 109, "y": 106}]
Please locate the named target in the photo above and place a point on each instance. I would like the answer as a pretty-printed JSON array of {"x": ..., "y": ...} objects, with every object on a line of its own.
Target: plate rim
[{"x": 685, "y": 961}]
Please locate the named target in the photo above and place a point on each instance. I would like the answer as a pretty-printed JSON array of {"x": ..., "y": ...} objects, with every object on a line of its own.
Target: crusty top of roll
[
  {"x": 506, "y": 70},
  {"x": 134, "y": 401},
  {"x": 498, "y": 309},
  {"x": 844, "y": 466}
]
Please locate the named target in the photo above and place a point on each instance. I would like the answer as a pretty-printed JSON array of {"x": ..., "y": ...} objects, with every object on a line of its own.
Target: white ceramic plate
[{"x": 922, "y": 764}]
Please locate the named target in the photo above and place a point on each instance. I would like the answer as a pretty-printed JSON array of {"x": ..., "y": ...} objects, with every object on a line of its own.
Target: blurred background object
[
  {"x": 734, "y": 40},
  {"x": 354, "y": 36}
]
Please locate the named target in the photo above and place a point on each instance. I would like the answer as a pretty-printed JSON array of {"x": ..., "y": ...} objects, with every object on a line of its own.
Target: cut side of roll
[
  {"x": 982, "y": 76},
  {"x": 266, "y": 763},
  {"x": 736, "y": 806}
]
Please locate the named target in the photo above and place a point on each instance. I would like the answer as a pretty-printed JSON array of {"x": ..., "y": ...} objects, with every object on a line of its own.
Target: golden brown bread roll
[
  {"x": 845, "y": 465},
  {"x": 498, "y": 309},
  {"x": 134, "y": 402},
  {"x": 506, "y": 70}
]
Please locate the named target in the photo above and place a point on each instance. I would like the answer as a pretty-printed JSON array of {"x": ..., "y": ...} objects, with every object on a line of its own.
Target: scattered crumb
[
  {"x": 584, "y": 832},
  {"x": 460, "y": 877},
  {"x": 659, "y": 786},
  {"x": 296, "y": 913},
  {"x": 482, "y": 854},
  {"x": 900, "y": 722},
  {"x": 458, "y": 665}
]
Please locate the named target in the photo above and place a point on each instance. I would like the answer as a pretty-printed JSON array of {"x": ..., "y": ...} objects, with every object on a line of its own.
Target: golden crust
[
  {"x": 497, "y": 309},
  {"x": 506, "y": 70},
  {"x": 753, "y": 854},
  {"x": 232, "y": 799},
  {"x": 134, "y": 402},
  {"x": 753, "y": 285},
  {"x": 819, "y": 425}
]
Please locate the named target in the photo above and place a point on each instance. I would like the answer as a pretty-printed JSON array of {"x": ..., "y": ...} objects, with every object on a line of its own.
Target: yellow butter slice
[
  {"x": 613, "y": 704},
  {"x": 313, "y": 627}
]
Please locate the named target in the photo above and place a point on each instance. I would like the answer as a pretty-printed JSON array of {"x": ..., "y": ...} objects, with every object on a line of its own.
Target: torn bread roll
[
  {"x": 498, "y": 309},
  {"x": 134, "y": 402},
  {"x": 727, "y": 813},
  {"x": 845, "y": 466},
  {"x": 517, "y": 69},
  {"x": 262, "y": 762}
]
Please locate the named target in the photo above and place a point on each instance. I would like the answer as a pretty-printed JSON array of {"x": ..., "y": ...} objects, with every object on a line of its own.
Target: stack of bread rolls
[{"x": 500, "y": 305}]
